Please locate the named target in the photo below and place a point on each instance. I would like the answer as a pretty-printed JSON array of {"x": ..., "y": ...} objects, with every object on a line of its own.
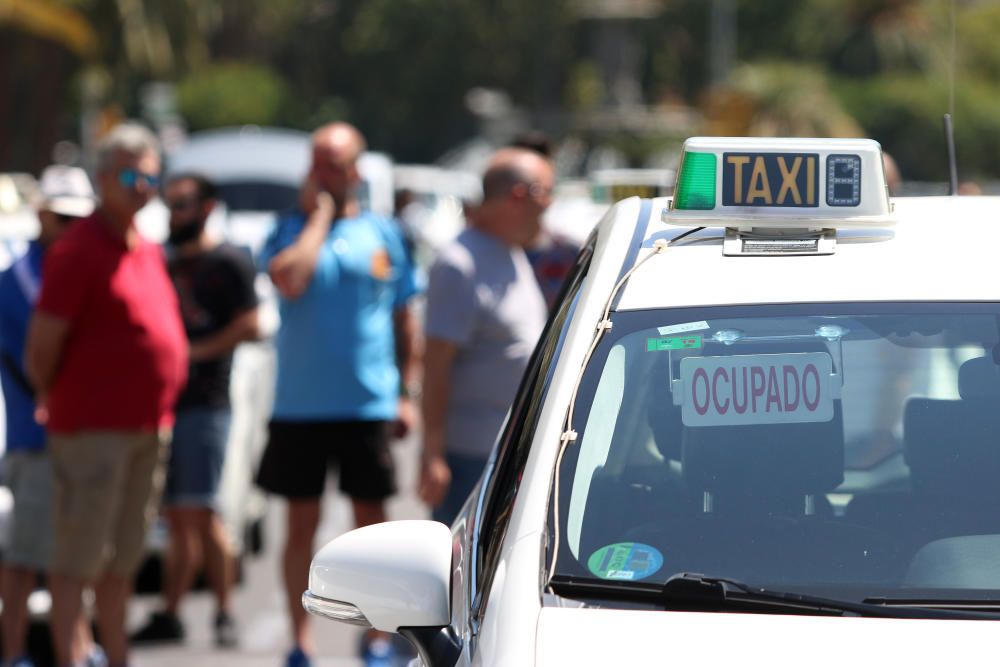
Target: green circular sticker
[{"x": 625, "y": 561}]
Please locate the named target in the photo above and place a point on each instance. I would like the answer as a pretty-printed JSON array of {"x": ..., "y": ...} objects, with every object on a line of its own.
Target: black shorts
[{"x": 299, "y": 456}]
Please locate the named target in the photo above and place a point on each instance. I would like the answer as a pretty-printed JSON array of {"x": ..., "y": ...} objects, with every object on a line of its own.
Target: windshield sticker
[
  {"x": 757, "y": 389},
  {"x": 682, "y": 328},
  {"x": 673, "y": 343},
  {"x": 625, "y": 561}
]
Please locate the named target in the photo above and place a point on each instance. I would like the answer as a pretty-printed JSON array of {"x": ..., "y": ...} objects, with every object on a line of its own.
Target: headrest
[
  {"x": 968, "y": 561},
  {"x": 663, "y": 417},
  {"x": 979, "y": 378},
  {"x": 766, "y": 459},
  {"x": 953, "y": 447},
  {"x": 790, "y": 459}
]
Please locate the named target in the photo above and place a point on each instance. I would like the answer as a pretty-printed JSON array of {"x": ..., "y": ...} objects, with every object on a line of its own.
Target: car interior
[{"x": 906, "y": 501}]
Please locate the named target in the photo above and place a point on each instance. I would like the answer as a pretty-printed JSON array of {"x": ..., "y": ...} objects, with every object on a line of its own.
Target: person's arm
[
  {"x": 435, "y": 475},
  {"x": 408, "y": 359},
  {"x": 450, "y": 319},
  {"x": 244, "y": 326},
  {"x": 44, "y": 345},
  {"x": 67, "y": 283},
  {"x": 11, "y": 362},
  {"x": 292, "y": 268}
]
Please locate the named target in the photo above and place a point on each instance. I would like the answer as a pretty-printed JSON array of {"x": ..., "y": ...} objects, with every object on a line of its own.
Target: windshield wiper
[
  {"x": 935, "y": 603},
  {"x": 689, "y": 591}
]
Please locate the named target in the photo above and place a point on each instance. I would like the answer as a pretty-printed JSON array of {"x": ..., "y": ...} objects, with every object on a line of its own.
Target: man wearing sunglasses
[
  {"x": 107, "y": 355},
  {"x": 65, "y": 196}
]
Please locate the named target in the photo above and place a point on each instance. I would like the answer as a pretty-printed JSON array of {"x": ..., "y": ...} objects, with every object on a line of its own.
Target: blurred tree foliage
[
  {"x": 781, "y": 99},
  {"x": 401, "y": 69},
  {"x": 881, "y": 68},
  {"x": 905, "y": 114},
  {"x": 231, "y": 94}
]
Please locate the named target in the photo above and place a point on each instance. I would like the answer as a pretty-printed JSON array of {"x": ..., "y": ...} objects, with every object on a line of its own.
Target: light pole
[{"x": 722, "y": 41}]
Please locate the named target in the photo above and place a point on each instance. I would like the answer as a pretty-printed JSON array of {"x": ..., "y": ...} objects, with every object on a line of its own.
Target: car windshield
[{"x": 845, "y": 450}]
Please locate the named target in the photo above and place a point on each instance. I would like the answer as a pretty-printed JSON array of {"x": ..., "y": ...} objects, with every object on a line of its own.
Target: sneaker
[
  {"x": 298, "y": 658},
  {"x": 226, "y": 634},
  {"x": 162, "y": 627},
  {"x": 379, "y": 651},
  {"x": 96, "y": 657},
  {"x": 404, "y": 649}
]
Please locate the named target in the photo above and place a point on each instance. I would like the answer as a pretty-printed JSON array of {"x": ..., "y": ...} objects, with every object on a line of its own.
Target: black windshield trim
[{"x": 698, "y": 593}]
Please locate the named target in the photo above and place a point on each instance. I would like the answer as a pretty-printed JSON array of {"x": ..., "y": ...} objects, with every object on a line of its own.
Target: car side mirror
[{"x": 387, "y": 576}]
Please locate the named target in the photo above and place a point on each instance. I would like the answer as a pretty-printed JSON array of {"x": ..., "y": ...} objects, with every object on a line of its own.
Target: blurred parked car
[
  {"x": 433, "y": 214},
  {"x": 612, "y": 185},
  {"x": 259, "y": 171}
]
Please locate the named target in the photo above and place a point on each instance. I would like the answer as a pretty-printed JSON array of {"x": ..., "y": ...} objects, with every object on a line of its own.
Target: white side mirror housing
[{"x": 388, "y": 576}]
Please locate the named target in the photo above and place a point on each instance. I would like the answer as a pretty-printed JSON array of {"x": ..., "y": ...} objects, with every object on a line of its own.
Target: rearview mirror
[{"x": 387, "y": 576}]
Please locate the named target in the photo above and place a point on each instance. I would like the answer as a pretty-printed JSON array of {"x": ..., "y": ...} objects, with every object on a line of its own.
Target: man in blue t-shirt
[
  {"x": 345, "y": 348},
  {"x": 66, "y": 196}
]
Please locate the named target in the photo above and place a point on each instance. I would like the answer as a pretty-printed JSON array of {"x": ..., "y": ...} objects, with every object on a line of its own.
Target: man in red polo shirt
[{"x": 107, "y": 354}]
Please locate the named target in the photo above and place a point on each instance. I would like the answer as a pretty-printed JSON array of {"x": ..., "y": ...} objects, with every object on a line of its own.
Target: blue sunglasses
[{"x": 130, "y": 177}]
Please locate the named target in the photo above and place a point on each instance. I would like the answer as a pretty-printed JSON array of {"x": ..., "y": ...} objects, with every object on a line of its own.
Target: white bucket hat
[{"x": 67, "y": 191}]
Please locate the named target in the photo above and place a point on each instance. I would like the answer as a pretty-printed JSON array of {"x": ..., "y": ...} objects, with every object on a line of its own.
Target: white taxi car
[{"x": 762, "y": 427}]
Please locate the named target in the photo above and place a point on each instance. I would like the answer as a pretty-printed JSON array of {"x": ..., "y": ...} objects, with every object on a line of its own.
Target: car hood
[{"x": 604, "y": 637}]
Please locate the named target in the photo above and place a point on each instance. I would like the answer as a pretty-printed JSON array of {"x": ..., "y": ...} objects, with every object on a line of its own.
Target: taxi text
[{"x": 770, "y": 179}]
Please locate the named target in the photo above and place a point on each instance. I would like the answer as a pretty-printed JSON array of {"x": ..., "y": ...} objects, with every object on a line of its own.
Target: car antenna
[
  {"x": 949, "y": 131},
  {"x": 949, "y": 137}
]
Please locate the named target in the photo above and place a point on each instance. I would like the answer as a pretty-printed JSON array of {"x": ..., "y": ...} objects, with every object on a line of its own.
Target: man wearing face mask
[{"x": 215, "y": 288}]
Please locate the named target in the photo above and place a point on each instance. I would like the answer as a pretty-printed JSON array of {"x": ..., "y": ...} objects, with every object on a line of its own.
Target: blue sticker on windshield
[{"x": 625, "y": 561}]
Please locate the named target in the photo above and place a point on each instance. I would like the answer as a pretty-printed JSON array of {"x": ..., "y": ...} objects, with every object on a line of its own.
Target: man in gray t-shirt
[{"x": 485, "y": 312}]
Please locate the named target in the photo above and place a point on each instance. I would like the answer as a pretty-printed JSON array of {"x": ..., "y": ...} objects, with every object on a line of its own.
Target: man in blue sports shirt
[{"x": 346, "y": 346}]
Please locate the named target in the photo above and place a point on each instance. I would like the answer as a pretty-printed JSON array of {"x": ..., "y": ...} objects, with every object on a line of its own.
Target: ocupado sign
[{"x": 757, "y": 389}]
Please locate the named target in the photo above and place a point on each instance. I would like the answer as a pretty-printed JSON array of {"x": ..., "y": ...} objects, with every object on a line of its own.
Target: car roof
[
  {"x": 271, "y": 155},
  {"x": 940, "y": 249},
  {"x": 438, "y": 180}
]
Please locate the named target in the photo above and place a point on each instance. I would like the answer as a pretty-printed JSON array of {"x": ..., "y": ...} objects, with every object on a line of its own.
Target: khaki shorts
[
  {"x": 29, "y": 476},
  {"x": 107, "y": 487}
]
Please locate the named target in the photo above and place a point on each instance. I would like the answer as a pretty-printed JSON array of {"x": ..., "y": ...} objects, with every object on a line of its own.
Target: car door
[{"x": 488, "y": 515}]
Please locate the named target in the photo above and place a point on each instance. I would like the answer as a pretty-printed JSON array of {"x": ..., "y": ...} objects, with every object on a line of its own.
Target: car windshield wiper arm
[
  {"x": 690, "y": 591},
  {"x": 697, "y": 588},
  {"x": 935, "y": 603}
]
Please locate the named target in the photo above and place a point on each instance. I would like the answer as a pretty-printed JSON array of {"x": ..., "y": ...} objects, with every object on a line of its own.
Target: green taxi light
[{"x": 696, "y": 183}]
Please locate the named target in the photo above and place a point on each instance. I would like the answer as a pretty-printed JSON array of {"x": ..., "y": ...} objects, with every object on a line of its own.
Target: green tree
[
  {"x": 791, "y": 100},
  {"x": 403, "y": 67},
  {"x": 231, "y": 94}
]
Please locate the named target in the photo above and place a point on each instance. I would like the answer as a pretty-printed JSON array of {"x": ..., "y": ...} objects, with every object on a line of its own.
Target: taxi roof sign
[{"x": 755, "y": 182}]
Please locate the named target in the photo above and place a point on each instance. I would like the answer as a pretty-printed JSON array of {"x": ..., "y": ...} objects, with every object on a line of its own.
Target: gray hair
[{"x": 129, "y": 138}]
